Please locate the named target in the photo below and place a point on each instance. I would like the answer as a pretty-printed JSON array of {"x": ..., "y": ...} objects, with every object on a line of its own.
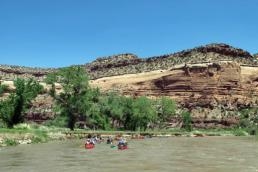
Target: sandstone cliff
[{"x": 213, "y": 92}]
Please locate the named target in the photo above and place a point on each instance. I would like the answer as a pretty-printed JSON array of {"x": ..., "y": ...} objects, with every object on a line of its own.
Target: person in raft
[
  {"x": 109, "y": 140},
  {"x": 100, "y": 139},
  {"x": 88, "y": 141},
  {"x": 93, "y": 141},
  {"x": 122, "y": 142},
  {"x": 96, "y": 139}
]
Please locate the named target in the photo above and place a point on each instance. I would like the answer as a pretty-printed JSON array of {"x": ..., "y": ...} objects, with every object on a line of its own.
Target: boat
[
  {"x": 89, "y": 146},
  {"x": 122, "y": 147}
]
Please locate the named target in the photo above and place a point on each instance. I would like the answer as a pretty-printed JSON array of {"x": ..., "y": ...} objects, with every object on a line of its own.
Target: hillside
[
  {"x": 212, "y": 81},
  {"x": 131, "y": 64}
]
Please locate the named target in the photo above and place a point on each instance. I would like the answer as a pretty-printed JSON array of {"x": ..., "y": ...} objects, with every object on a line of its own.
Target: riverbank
[
  {"x": 30, "y": 134},
  {"x": 33, "y": 133}
]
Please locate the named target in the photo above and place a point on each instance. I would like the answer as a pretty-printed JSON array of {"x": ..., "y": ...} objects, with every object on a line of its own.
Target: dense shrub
[
  {"x": 12, "y": 109},
  {"x": 187, "y": 121},
  {"x": 10, "y": 142}
]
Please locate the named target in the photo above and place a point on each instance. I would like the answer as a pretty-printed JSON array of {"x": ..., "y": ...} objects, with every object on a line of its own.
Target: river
[{"x": 183, "y": 154}]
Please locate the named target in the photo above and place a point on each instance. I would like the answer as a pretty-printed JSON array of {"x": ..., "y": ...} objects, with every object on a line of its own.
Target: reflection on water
[{"x": 209, "y": 154}]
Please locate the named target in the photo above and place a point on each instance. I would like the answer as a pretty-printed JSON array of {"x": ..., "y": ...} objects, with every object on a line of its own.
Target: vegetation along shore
[{"x": 190, "y": 93}]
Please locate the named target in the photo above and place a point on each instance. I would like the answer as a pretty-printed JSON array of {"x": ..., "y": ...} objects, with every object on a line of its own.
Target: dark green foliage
[
  {"x": 25, "y": 91},
  {"x": 51, "y": 79},
  {"x": 166, "y": 109},
  {"x": 3, "y": 88},
  {"x": 73, "y": 98},
  {"x": 143, "y": 114},
  {"x": 58, "y": 121},
  {"x": 7, "y": 112},
  {"x": 249, "y": 120},
  {"x": 10, "y": 142},
  {"x": 12, "y": 109},
  {"x": 106, "y": 111},
  {"x": 39, "y": 136},
  {"x": 113, "y": 107},
  {"x": 239, "y": 132},
  {"x": 187, "y": 121},
  {"x": 127, "y": 112},
  {"x": 94, "y": 110},
  {"x": 97, "y": 119}
]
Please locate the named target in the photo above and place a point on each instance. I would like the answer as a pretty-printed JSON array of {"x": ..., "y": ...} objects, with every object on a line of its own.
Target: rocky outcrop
[
  {"x": 9, "y": 73},
  {"x": 113, "y": 61},
  {"x": 121, "y": 64}
]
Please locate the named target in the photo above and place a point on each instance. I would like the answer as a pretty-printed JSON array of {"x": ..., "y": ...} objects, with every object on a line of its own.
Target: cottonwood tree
[
  {"x": 187, "y": 121},
  {"x": 127, "y": 112},
  {"x": 166, "y": 108},
  {"x": 3, "y": 87},
  {"x": 72, "y": 100},
  {"x": 143, "y": 113},
  {"x": 12, "y": 108}
]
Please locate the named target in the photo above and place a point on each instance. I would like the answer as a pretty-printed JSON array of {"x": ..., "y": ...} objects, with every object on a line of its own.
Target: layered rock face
[
  {"x": 201, "y": 84},
  {"x": 212, "y": 81},
  {"x": 211, "y": 91}
]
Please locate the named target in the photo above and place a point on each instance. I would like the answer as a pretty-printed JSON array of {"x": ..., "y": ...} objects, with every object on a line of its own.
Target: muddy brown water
[{"x": 184, "y": 154}]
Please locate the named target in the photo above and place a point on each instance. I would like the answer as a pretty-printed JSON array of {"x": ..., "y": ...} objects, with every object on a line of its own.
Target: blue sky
[{"x": 57, "y": 33}]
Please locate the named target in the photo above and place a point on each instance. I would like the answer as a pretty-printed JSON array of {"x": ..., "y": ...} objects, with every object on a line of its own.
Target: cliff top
[{"x": 134, "y": 64}]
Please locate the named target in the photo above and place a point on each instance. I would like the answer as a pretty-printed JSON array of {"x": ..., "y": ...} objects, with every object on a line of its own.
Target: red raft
[
  {"x": 89, "y": 146},
  {"x": 122, "y": 147}
]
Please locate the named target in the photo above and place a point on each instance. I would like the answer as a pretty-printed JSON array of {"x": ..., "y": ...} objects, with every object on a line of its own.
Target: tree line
[{"x": 77, "y": 101}]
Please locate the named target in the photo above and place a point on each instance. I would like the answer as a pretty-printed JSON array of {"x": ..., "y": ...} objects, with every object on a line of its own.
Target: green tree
[
  {"x": 2, "y": 88},
  {"x": 4, "y": 106},
  {"x": 187, "y": 120},
  {"x": 127, "y": 112},
  {"x": 7, "y": 111},
  {"x": 249, "y": 120},
  {"x": 94, "y": 107},
  {"x": 115, "y": 108},
  {"x": 97, "y": 119},
  {"x": 12, "y": 109},
  {"x": 143, "y": 113},
  {"x": 166, "y": 109},
  {"x": 73, "y": 98},
  {"x": 112, "y": 108}
]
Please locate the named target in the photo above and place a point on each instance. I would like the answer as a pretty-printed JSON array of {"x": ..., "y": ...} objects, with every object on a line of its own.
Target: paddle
[{"x": 112, "y": 146}]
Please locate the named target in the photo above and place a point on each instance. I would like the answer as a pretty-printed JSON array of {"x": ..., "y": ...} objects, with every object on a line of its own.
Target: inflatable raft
[
  {"x": 122, "y": 147},
  {"x": 89, "y": 146}
]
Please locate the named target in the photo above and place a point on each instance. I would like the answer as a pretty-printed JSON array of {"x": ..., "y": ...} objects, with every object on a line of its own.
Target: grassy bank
[
  {"x": 29, "y": 134},
  {"x": 32, "y": 133},
  {"x": 162, "y": 133}
]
